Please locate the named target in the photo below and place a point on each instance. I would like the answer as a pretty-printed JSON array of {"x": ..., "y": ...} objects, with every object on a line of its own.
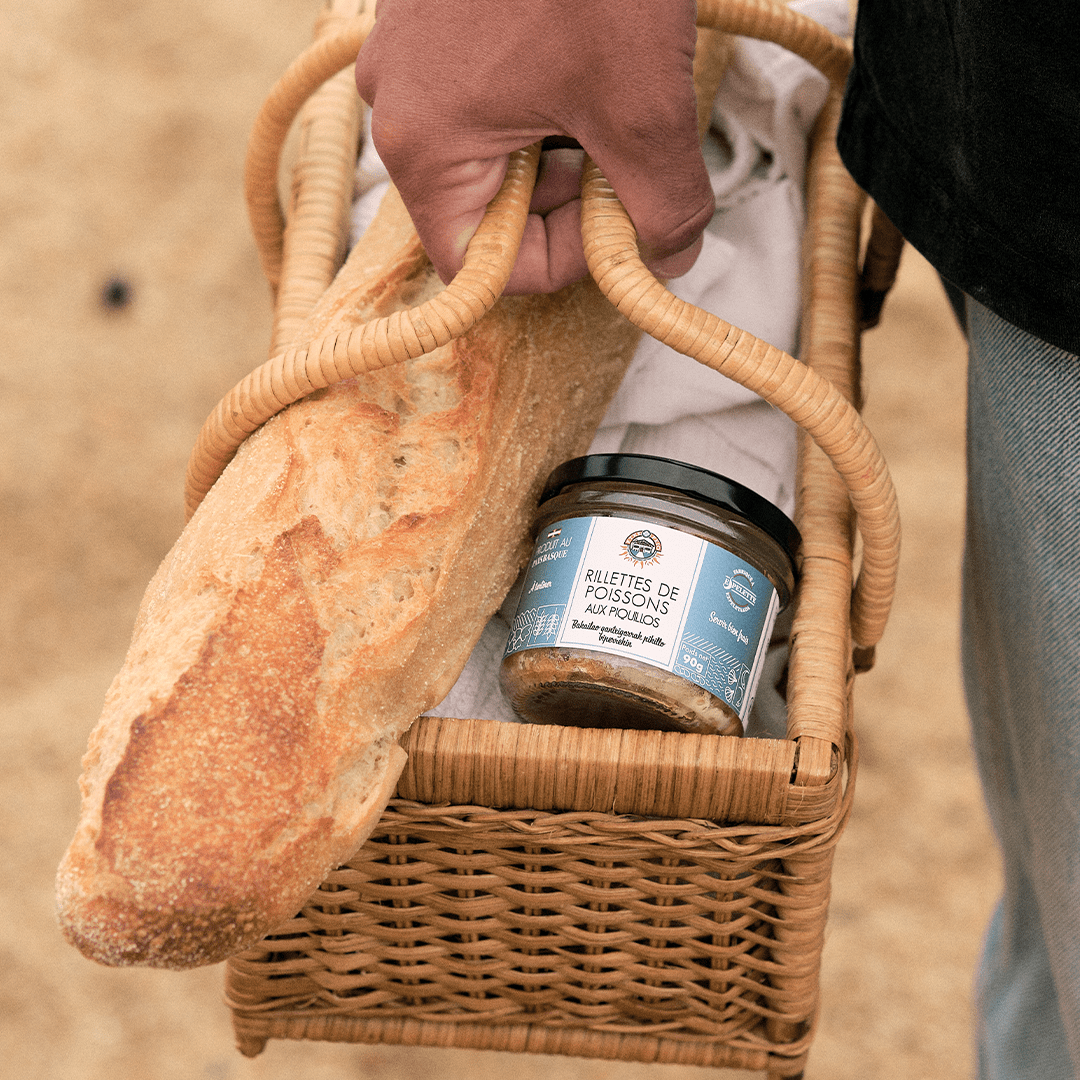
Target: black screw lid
[{"x": 689, "y": 480}]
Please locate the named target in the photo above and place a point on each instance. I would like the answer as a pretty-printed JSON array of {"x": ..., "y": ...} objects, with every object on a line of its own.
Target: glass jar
[{"x": 650, "y": 597}]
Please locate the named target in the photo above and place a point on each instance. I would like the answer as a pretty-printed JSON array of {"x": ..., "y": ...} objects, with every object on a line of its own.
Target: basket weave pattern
[{"x": 569, "y": 922}]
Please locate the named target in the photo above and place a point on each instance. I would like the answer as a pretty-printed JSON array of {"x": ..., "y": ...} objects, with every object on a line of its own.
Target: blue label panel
[{"x": 632, "y": 588}]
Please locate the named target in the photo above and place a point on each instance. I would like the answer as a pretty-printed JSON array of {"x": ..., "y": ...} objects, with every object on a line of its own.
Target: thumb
[
  {"x": 448, "y": 204},
  {"x": 446, "y": 194}
]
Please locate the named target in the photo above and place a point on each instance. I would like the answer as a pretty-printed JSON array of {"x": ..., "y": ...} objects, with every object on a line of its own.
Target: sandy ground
[{"x": 121, "y": 144}]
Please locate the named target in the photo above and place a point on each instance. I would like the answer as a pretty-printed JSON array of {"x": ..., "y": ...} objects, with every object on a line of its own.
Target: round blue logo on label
[
  {"x": 643, "y": 548},
  {"x": 739, "y": 587}
]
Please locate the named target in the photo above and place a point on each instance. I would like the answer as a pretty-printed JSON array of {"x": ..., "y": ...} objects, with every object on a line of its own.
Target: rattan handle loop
[
  {"x": 317, "y": 63},
  {"x": 299, "y": 371},
  {"x": 769, "y": 20},
  {"x": 809, "y": 399}
]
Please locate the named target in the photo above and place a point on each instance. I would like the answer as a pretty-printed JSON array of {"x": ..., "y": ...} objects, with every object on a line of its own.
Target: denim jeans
[{"x": 1021, "y": 657}]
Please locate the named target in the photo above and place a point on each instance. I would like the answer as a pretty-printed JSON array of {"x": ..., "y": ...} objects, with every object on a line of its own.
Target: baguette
[{"x": 327, "y": 591}]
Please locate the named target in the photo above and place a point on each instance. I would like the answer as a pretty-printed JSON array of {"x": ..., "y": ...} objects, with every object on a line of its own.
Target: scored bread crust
[{"x": 328, "y": 590}]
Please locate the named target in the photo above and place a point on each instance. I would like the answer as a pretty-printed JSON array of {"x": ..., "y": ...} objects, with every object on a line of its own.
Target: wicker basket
[{"x": 629, "y": 895}]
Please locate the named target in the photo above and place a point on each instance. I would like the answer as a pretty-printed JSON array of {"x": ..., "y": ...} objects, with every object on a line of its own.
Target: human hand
[{"x": 455, "y": 85}]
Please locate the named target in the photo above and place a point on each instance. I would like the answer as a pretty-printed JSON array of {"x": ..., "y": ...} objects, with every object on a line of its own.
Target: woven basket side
[{"x": 586, "y": 933}]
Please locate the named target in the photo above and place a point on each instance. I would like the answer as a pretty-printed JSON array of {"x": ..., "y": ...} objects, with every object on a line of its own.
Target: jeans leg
[
  {"x": 1019, "y": 1030},
  {"x": 1021, "y": 656}
]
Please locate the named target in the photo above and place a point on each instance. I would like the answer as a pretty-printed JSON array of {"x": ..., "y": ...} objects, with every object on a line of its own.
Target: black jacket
[{"x": 962, "y": 120}]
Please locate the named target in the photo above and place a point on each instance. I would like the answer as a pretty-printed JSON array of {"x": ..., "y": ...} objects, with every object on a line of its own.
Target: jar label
[{"x": 632, "y": 588}]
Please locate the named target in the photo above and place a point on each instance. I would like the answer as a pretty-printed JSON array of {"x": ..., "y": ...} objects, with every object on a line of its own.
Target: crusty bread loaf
[{"x": 327, "y": 591}]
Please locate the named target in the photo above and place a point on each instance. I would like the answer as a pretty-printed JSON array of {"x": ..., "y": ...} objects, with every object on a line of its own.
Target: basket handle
[
  {"x": 611, "y": 251},
  {"x": 813, "y": 402},
  {"x": 320, "y": 61}
]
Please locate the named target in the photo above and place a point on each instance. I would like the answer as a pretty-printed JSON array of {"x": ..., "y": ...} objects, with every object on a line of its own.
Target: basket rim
[{"x": 655, "y": 774}]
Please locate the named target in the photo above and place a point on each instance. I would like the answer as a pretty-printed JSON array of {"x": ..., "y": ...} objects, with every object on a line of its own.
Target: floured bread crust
[{"x": 328, "y": 591}]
